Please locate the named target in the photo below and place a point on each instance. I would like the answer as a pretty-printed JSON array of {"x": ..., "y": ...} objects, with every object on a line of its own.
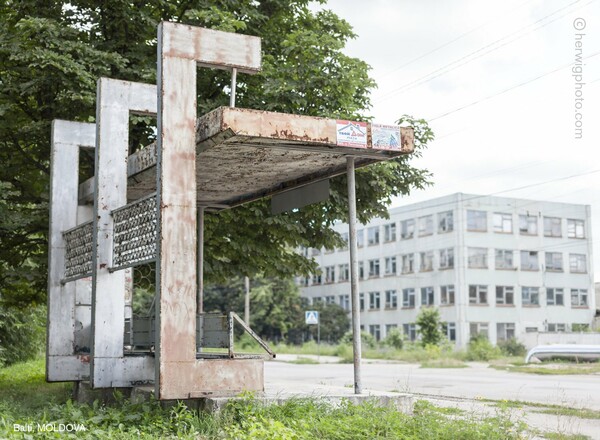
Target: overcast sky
[{"x": 495, "y": 80}]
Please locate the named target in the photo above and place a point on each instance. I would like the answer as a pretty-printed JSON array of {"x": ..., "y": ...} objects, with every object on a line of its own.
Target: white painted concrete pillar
[
  {"x": 115, "y": 100},
  {"x": 67, "y": 138}
]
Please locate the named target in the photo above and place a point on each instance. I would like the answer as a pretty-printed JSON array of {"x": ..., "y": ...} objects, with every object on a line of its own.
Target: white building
[{"x": 493, "y": 265}]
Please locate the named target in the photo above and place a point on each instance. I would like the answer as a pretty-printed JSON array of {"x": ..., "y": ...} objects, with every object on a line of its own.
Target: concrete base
[
  {"x": 402, "y": 402},
  {"x": 84, "y": 393}
]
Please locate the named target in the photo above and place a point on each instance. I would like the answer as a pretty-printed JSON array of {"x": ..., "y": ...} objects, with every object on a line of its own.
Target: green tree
[
  {"x": 430, "y": 326},
  {"x": 51, "y": 54}
]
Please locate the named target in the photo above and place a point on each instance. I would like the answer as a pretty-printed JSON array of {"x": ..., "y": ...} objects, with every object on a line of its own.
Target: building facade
[{"x": 492, "y": 265}]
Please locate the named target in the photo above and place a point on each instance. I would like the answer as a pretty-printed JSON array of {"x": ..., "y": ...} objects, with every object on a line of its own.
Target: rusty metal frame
[
  {"x": 68, "y": 302},
  {"x": 178, "y": 373},
  {"x": 234, "y": 317},
  {"x": 115, "y": 101}
]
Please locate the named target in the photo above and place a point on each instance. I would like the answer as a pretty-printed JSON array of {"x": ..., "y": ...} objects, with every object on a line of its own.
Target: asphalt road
[{"x": 476, "y": 382}]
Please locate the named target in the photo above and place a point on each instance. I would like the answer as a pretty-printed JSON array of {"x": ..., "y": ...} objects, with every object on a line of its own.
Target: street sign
[{"x": 311, "y": 317}]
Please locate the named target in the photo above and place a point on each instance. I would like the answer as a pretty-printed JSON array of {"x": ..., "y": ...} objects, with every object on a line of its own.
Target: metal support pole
[
  {"x": 200, "y": 262},
  {"x": 233, "y": 85},
  {"x": 356, "y": 341},
  {"x": 247, "y": 300}
]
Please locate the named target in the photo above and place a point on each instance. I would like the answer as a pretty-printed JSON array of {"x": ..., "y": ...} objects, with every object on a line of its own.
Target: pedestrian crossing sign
[{"x": 311, "y": 317}]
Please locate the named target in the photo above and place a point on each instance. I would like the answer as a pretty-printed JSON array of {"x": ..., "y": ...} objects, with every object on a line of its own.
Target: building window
[
  {"x": 577, "y": 263},
  {"x": 426, "y": 296},
  {"x": 361, "y": 270},
  {"x": 408, "y": 297},
  {"x": 375, "y": 330},
  {"x": 447, "y": 258},
  {"x": 531, "y": 329},
  {"x": 330, "y": 274},
  {"x": 447, "y": 295},
  {"x": 389, "y": 232},
  {"x": 317, "y": 300},
  {"x": 360, "y": 238},
  {"x": 555, "y": 296},
  {"x": 316, "y": 279},
  {"x": 330, "y": 299},
  {"x": 505, "y": 295},
  {"x": 374, "y": 300},
  {"x": 390, "y": 266},
  {"x": 503, "y": 223},
  {"x": 373, "y": 235},
  {"x": 477, "y": 294},
  {"x": 530, "y": 296},
  {"x": 425, "y": 225},
  {"x": 407, "y": 229},
  {"x": 529, "y": 260},
  {"x": 449, "y": 329},
  {"x": 505, "y": 331},
  {"x": 329, "y": 251},
  {"x": 389, "y": 328},
  {"x": 315, "y": 252},
  {"x": 478, "y": 328},
  {"x": 304, "y": 281},
  {"x": 579, "y": 297},
  {"x": 373, "y": 268},
  {"x": 410, "y": 331},
  {"x": 476, "y": 221},
  {"x": 426, "y": 261},
  {"x": 554, "y": 262},
  {"x": 361, "y": 301},
  {"x": 478, "y": 258},
  {"x": 391, "y": 299},
  {"x": 343, "y": 272},
  {"x": 528, "y": 224},
  {"x": 408, "y": 263},
  {"x": 344, "y": 236},
  {"x": 445, "y": 222},
  {"x": 552, "y": 227},
  {"x": 504, "y": 259},
  {"x": 557, "y": 328},
  {"x": 575, "y": 228},
  {"x": 345, "y": 302}
]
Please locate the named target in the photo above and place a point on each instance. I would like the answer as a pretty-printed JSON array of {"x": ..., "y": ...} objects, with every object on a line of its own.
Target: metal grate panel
[
  {"x": 135, "y": 233},
  {"x": 78, "y": 252}
]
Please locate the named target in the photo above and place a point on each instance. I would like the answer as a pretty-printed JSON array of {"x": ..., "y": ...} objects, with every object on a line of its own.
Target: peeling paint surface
[{"x": 246, "y": 154}]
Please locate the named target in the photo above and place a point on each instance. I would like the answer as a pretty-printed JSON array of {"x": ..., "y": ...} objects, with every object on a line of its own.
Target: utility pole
[{"x": 247, "y": 301}]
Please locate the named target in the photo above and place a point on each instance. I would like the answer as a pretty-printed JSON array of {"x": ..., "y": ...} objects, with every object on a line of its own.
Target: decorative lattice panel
[
  {"x": 135, "y": 233},
  {"x": 78, "y": 253}
]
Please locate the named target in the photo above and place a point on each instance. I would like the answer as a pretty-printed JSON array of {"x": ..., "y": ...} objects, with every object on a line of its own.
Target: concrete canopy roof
[{"x": 243, "y": 155}]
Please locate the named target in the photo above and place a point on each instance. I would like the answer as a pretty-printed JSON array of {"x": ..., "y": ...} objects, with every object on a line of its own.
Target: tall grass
[{"x": 25, "y": 399}]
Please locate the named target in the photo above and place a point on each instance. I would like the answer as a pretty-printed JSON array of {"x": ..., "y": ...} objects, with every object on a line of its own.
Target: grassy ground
[
  {"x": 517, "y": 365},
  {"x": 26, "y": 400}
]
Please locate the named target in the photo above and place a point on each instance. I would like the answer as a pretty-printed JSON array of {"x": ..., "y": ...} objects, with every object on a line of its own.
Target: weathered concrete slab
[{"x": 243, "y": 155}]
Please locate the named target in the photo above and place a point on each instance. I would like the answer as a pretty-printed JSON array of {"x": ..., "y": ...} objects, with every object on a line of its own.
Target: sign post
[{"x": 311, "y": 317}]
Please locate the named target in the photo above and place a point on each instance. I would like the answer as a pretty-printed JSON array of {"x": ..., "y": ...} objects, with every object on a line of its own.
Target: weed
[
  {"x": 444, "y": 363},
  {"x": 301, "y": 360}
]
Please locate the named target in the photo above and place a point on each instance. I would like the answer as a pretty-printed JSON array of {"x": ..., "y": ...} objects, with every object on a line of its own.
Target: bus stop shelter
[{"x": 148, "y": 208}]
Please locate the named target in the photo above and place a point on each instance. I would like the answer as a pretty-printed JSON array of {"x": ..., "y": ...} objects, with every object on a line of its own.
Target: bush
[
  {"x": 367, "y": 339},
  {"x": 394, "y": 339},
  {"x": 481, "y": 349},
  {"x": 512, "y": 347}
]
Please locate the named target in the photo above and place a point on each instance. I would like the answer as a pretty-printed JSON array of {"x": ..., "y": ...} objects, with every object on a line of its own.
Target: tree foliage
[
  {"x": 52, "y": 53},
  {"x": 430, "y": 326}
]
